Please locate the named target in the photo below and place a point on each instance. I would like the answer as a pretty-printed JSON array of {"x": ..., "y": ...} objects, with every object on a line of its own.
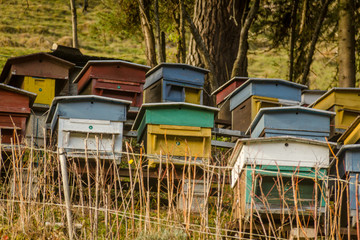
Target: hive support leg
[{"x": 65, "y": 181}]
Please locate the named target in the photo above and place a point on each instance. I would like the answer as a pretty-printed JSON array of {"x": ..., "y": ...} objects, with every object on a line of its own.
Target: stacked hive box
[
  {"x": 345, "y": 102},
  {"x": 15, "y": 107},
  {"x": 291, "y": 121},
  {"x": 221, "y": 94},
  {"x": 98, "y": 120},
  {"x": 255, "y": 94},
  {"x": 266, "y": 170},
  {"x": 40, "y": 73},
  {"x": 115, "y": 79}
]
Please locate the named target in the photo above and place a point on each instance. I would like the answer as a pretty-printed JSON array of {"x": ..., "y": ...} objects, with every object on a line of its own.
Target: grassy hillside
[{"x": 34, "y": 25}]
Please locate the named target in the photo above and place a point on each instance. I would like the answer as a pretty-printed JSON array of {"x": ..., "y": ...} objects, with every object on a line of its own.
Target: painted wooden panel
[
  {"x": 266, "y": 191},
  {"x": 273, "y": 88},
  {"x": 173, "y": 92},
  {"x": 43, "y": 87},
  {"x": 346, "y": 97},
  {"x": 310, "y": 96},
  {"x": 73, "y": 132},
  {"x": 36, "y": 128},
  {"x": 174, "y": 72},
  {"x": 293, "y": 121},
  {"x": 180, "y": 114},
  {"x": 179, "y": 141},
  {"x": 352, "y": 133},
  {"x": 280, "y": 151},
  {"x": 243, "y": 114},
  {"x": 10, "y": 123},
  {"x": 13, "y": 102},
  {"x": 223, "y": 91}
]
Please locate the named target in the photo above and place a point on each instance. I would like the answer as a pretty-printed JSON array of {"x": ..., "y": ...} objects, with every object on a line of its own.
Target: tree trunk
[
  {"x": 182, "y": 33},
  {"x": 314, "y": 41},
  {"x": 161, "y": 53},
  {"x": 240, "y": 64},
  {"x": 74, "y": 24},
  {"x": 346, "y": 44},
  {"x": 85, "y": 5},
  {"x": 292, "y": 39},
  {"x": 216, "y": 22},
  {"x": 146, "y": 27}
]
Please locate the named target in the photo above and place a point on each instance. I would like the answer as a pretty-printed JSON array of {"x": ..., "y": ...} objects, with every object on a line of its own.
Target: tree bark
[
  {"x": 346, "y": 43},
  {"x": 240, "y": 64},
  {"x": 292, "y": 39},
  {"x": 146, "y": 28},
  {"x": 314, "y": 41},
  {"x": 74, "y": 24},
  {"x": 216, "y": 23},
  {"x": 182, "y": 33}
]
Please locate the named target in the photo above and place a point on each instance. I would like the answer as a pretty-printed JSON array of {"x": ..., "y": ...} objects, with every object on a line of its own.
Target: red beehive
[
  {"x": 113, "y": 78},
  {"x": 15, "y": 107},
  {"x": 224, "y": 115}
]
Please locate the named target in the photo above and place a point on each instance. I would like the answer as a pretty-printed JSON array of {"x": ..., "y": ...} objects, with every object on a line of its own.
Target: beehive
[
  {"x": 170, "y": 82},
  {"x": 278, "y": 157},
  {"x": 15, "y": 110},
  {"x": 352, "y": 134},
  {"x": 113, "y": 78},
  {"x": 98, "y": 120},
  {"x": 291, "y": 121},
  {"x": 345, "y": 102},
  {"x": 40, "y": 73},
  {"x": 176, "y": 129},
  {"x": 255, "y": 94},
  {"x": 221, "y": 94}
]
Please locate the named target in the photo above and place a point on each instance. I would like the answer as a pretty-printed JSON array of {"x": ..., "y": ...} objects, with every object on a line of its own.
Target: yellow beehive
[
  {"x": 352, "y": 134},
  {"x": 43, "y": 87},
  {"x": 345, "y": 102},
  {"x": 179, "y": 141}
]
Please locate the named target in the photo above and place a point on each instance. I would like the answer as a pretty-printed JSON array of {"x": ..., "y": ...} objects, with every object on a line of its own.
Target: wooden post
[
  {"x": 357, "y": 206},
  {"x": 66, "y": 190}
]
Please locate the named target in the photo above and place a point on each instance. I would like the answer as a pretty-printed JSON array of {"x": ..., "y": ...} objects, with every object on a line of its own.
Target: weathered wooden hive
[
  {"x": 88, "y": 117},
  {"x": 113, "y": 78},
  {"x": 259, "y": 163},
  {"x": 174, "y": 82},
  {"x": 308, "y": 97},
  {"x": 15, "y": 107},
  {"x": 221, "y": 94},
  {"x": 348, "y": 167},
  {"x": 258, "y": 93},
  {"x": 43, "y": 74},
  {"x": 345, "y": 102},
  {"x": 175, "y": 129},
  {"x": 40, "y": 73},
  {"x": 291, "y": 121}
]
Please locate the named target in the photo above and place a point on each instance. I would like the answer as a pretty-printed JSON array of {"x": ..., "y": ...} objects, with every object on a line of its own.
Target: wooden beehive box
[
  {"x": 345, "y": 102},
  {"x": 174, "y": 82},
  {"x": 176, "y": 129},
  {"x": 15, "y": 110},
  {"x": 113, "y": 78},
  {"x": 349, "y": 165},
  {"x": 274, "y": 159},
  {"x": 291, "y": 121},
  {"x": 255, "y": 94},
  {"x": 76, "y": 118},
  {"x": 221, "y": 94},
  {"x": 40, "y": 73},
  {"x": 308, "y": 97}
]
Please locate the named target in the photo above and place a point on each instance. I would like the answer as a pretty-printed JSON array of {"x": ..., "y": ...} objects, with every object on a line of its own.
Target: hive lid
[
  {"x": 263, "y": 80},
  {"x": 335, "y": 89},
  {"x": 146, "y": 106},
  {"x": 228, "y": 83},
  {"x": 31, "y": 95},
  {"x": 81, "y": 98},
  {"x": 285, "y": 109},
  {"x": 106, "y": 62},
  {"x": 349, "y": 130},
  {"x": 344, "y": 148}
]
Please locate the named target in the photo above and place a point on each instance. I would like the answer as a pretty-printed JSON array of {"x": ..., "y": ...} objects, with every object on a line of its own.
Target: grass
[{"x": 33, "y": 27}]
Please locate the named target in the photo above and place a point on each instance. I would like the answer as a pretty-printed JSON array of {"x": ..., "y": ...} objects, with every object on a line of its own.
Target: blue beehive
[
  {"x": 172, "y": 82},
  {"x": 349, "y": 156},
  {"x": 291, "y": 121},
  {"x": 97, "y": 119}
]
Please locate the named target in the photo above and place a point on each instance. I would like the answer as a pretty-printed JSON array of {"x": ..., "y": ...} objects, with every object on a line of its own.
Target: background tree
[{"x": 74, "y": 24}]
